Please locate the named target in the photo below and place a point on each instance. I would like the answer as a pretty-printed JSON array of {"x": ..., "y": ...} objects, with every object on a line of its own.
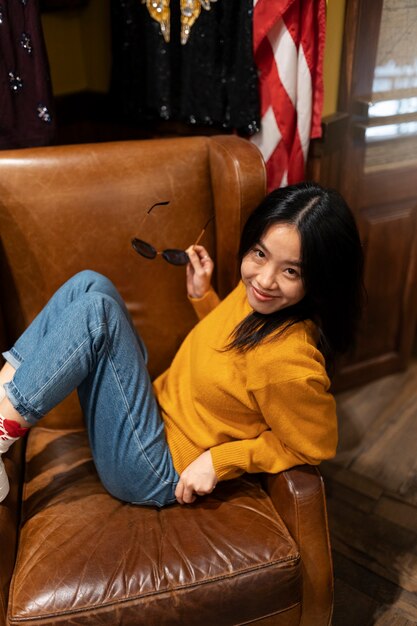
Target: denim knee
[
  {"x": 89, "y": 325},
  {"x": 93, "y": 281}
]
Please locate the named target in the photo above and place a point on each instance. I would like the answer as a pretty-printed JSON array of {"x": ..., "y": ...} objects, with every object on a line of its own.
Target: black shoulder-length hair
[{"x": 331, "y": 268}]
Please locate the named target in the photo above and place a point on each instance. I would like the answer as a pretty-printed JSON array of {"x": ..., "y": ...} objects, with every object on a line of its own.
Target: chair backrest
[{"x": 68, "y": 208}]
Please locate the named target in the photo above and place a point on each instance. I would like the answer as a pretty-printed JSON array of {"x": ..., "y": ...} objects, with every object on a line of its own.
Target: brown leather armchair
[{"x": 254, "y": 552}]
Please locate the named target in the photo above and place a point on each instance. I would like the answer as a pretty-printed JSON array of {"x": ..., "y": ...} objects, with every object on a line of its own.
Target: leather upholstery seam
[
  {"x": 288, "y": 608},
  {"x": 292, "y": 560}
]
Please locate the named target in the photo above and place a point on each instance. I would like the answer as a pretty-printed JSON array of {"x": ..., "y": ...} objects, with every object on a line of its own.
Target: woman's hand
[
  {"x": 199, "y": 271},
  {"x": 198, "y": 479}
]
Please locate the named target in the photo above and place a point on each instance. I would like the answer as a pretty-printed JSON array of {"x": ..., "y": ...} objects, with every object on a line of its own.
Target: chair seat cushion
[{"x": 86, "y": 558}]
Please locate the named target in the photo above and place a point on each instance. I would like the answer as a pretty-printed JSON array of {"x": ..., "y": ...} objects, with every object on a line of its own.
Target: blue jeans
[{"x": 84, "y": 339}]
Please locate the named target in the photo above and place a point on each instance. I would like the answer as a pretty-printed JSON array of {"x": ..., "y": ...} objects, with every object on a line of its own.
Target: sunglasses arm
[{"x": 203, "y": 231}]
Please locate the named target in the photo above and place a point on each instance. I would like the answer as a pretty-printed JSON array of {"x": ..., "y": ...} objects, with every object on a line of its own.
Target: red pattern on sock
[{"x": 14, "y": 429}]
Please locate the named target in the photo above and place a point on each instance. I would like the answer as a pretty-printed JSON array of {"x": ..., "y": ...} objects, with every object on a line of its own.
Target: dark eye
[{"x": 292, "y": 272}]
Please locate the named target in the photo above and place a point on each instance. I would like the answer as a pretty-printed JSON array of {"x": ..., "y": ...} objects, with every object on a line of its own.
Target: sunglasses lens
[
  {"x": 143, "y": 248},
  {"x": 176, "y": 257}
]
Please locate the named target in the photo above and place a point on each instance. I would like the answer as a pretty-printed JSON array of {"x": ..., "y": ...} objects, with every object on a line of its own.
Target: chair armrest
[{"x": 299, "y": 498}]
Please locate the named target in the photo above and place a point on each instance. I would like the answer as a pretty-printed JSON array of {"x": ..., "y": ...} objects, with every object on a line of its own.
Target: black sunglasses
[{"x": 171, "y": 255}]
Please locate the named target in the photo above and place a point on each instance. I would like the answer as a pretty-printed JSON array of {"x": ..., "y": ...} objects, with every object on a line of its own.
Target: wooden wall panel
[{"x": 369, "y": 153}]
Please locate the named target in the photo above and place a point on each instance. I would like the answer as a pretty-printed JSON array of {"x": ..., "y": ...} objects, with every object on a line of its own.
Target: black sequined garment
[
  {"x": 211, "y": 80},
  {"x": 25, "y": 91}
]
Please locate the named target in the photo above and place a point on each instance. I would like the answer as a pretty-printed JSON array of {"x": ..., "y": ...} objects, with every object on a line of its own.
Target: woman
[{"x": 248, "y": 389}]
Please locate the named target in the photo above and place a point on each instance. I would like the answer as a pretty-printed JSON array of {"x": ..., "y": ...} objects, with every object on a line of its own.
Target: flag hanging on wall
[{"x": 288, "y": 39}]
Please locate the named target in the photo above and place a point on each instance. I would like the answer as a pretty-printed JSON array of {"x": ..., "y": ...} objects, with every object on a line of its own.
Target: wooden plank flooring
[
  {"x": 372, "y": 502},
  {"x": 363, "y": 598}
]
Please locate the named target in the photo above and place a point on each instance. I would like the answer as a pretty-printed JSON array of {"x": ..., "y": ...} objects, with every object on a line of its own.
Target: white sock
[
  {"x": 4, "y": 481},
  {"x": 6, "y": 440}
]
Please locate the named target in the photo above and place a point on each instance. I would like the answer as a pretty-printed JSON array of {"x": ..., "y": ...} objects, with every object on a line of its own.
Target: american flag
[{"x": 289, "y": 37}]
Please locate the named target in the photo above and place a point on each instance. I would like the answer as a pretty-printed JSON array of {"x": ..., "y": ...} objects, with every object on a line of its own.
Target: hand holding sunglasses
[
  {"x": 199, "y": 271},
  {"x": 171, "y": 255}
]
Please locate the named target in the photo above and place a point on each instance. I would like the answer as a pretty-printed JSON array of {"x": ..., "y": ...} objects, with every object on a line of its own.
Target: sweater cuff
[
  {"x": 229, "y": 459},
  {"x": 203, "y": 306}
]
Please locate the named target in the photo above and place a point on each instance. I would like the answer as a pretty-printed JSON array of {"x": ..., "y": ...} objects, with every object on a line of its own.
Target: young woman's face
[{"x": 271, "y": 270}]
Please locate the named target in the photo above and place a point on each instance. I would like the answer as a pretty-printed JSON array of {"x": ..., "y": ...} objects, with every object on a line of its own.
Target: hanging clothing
[
  {"x": 211, "y": 79},
  {"x": 26, "y": 117}
]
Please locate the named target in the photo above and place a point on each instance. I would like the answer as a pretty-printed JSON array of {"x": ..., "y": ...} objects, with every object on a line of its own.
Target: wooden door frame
[{"x": 338, "y": 160}]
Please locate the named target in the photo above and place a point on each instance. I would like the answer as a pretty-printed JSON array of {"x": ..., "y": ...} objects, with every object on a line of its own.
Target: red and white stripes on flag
[{"x": 289, "y": 37}]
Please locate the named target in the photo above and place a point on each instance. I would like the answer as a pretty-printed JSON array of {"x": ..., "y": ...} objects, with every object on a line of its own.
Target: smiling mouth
[{"x": 262, "y": 296}]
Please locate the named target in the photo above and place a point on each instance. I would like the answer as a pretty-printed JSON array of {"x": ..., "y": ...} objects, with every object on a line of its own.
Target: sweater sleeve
[
  {"x": 301, "y": 427},
  {"x": 203, "y": 306}
]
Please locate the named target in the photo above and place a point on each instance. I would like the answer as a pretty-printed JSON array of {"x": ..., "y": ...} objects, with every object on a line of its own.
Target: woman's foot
[
  {"x": 4, "y": 481},
  {"x": 10, "y": 431}
]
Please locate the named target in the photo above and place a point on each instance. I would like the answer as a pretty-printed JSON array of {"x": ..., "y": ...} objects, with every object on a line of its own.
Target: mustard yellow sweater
[{"x": 263, "y": 411}]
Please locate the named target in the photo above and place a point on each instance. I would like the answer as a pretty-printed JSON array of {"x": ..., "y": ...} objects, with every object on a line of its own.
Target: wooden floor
[{"x": 372, "y": 501}]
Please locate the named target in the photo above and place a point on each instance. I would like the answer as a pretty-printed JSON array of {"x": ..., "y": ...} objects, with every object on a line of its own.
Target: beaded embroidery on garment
[{"x": 190, "y": 10}]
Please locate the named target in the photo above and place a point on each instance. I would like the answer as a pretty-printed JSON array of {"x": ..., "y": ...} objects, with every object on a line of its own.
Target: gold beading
[{"x": 190, "y": 10}]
